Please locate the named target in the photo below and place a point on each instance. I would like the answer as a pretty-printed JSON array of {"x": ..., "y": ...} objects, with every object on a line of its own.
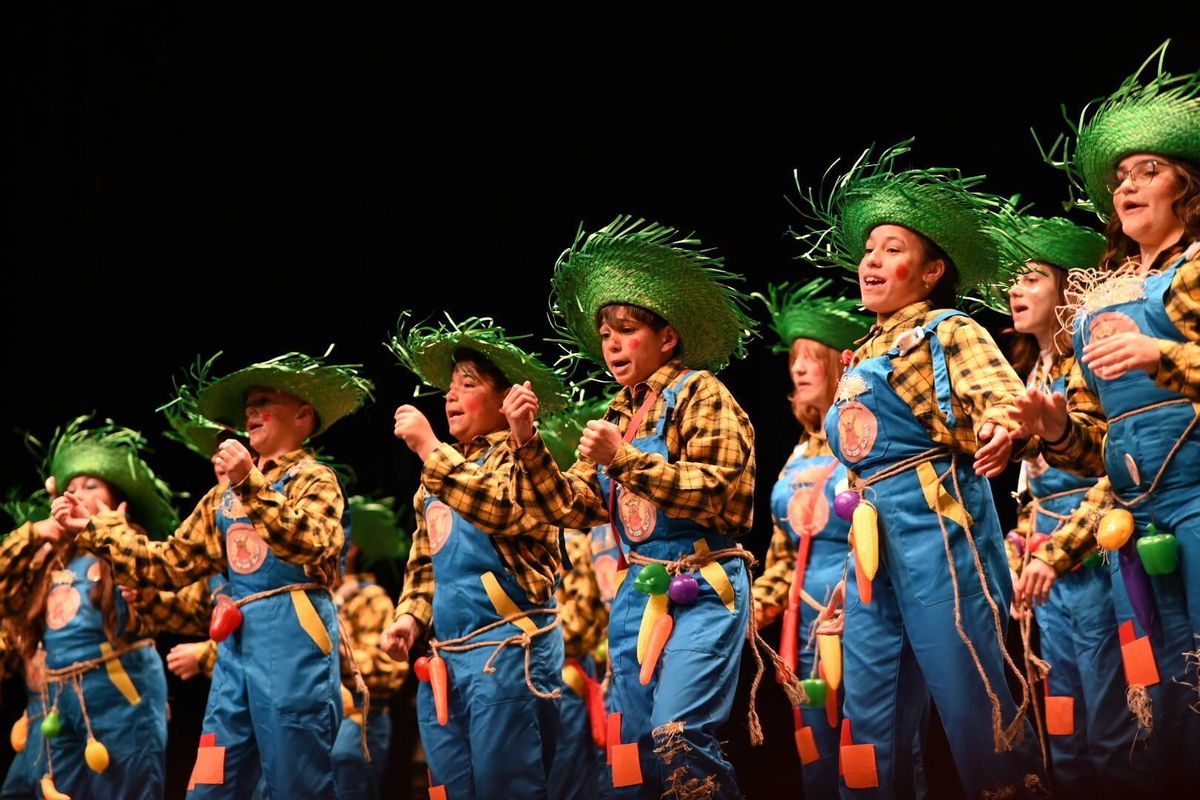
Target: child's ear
[{"x": 670, "y": 339}]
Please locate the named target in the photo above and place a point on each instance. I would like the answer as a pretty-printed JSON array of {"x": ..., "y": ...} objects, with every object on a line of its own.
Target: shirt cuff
[
  {"x": 419, "y": 607},
  {"x": 625, "y": 459},
  {"x": 440, "y": 462},
  {"x": 1055, "y": 555},
  {"x": 250, "y": 486},
  {"x": 103, "y": 527},
  {"x": 529, "y": 456}
]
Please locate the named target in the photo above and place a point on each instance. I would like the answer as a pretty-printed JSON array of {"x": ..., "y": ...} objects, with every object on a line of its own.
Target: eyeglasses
[{"x": 1140, "y": 174}]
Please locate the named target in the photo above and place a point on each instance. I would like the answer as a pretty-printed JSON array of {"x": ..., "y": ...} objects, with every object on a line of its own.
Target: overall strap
[
  {"x": 671, "y": 397},
  {"x": 941, "y": 371}
]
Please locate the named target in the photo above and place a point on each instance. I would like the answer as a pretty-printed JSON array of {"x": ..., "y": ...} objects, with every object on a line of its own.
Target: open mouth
[
  {"x": 1132, "y": 208},
  {"x": 1017, "y": 309},
  {"x": 451, "y": 416},
  {"x": 620, "y": 364},
  {"x": 873, "y": 280},
  {"x": 253, "y": 427}
]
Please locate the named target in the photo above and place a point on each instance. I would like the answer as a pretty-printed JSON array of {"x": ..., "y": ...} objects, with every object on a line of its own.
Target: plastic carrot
[
  {"x": 438, "y": 681},
  {"x": 656, "y": 607},
  {"x": 658, "y": 640},
  {"x": 787, "y": 638}
]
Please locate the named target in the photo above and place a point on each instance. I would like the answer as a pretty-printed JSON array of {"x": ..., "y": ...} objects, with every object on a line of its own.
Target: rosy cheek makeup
[
  {"x": 266, "y": 417},
  {"x": 902, "y": 272},
  {"x": 471, "y": 404}
]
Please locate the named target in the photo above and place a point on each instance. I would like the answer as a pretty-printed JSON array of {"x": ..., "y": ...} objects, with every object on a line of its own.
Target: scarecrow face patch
[
  {"x": 808, "y": 510},
  {"x": 61, "y": 606},
  {"x": 1109, "y": 323},
  {"x": 637, "y": 516},
  {"x": 244, "y": 548},
  {"x": 857, "y": 429},
  {"x": 439, "y": 520}
]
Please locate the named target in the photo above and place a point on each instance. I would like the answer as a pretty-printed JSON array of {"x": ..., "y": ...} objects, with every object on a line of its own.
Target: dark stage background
[{"x": 180, "y": 181}]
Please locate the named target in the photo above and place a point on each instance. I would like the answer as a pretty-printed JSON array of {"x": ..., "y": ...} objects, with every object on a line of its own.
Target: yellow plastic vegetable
[
  {"x": 96, "y": 755},
  {"x": 656, "y": 606},
  {"x": 20, "y": 733},
  {"x": 866, "y": 538},
  {"x": 829, "y": 647},
  {"x": 1116, "y": 527},
  {"x": 49, "y": 792},
  {"x": 347, "y": 702}
]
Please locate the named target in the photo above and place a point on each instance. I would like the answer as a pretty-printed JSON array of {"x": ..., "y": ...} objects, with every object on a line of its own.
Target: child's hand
[
  {"x": 184, "y": 660},
  {"x": 397, "y": 639},
  {"x": 1113, "y": 356},
  {"x": 600, "y": 442},
  {"x": 413, "y": 427},
  {"x": 992, "y": 457},
  {"x": 234, "y": 460},
  {"x": 1040, "y": 415},
  {"x": 520, "y": 408}
]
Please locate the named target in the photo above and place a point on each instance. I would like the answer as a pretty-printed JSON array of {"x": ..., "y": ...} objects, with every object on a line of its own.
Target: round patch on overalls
[
  {"x": 35, "y": 671},
  {"x": 857, "y": 428},
  {"x": 244, "y": 548},
  {"x": 637, "y": 516},
  {"x": 61, "y": 606},
  {"x": 439, "y": 520},
  {"x": 605, "y": 567},
  {"x": 808, "y": 510},
  {"x": 1109, "y": 323},
  {"x": 93, "y": 572}
]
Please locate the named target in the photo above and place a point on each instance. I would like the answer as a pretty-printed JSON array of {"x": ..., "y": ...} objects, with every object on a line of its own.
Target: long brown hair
[
  {"x": 1186, "y": 208},
  {"x": 27, "y": 628},
  {"x": 812, "y": 416}
]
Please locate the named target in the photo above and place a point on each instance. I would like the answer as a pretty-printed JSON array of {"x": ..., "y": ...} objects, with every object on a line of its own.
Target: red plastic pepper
[
  {"x": 421, "y": 667},
  {"x": 226, "y": 618}
]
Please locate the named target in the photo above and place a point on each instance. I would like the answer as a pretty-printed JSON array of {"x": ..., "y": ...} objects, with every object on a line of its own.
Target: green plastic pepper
[
  {"x": 1159, "y": 551},
  {"x": 52, "y": 724},
  {"x": 1093, "y": 561},
  {"x": 653, "y": 579},
  {"x": 815, "y": 688}
]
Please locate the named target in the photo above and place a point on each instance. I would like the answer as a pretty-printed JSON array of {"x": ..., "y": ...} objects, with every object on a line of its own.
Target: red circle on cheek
[
  {"x": 902, "y": 272},
  {"x": 634, "y": 344},
  {"x": 471, "y": 403},
  {"x": 266, "y": 417}
]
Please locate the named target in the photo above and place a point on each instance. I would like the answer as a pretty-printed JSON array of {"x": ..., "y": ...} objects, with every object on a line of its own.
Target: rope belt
[{"x": 524, "y": 640}]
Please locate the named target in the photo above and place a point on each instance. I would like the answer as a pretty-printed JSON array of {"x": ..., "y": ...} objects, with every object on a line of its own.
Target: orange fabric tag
[
  {"x": 843, "y": 742},
  {"x": 1138, "y": 657},
  {"x": 208, "y": 740},
  {"x": 614, "y": 734},
  {"x": 858, "y": 766},
  {"x": 806, "y": 746},
  {"x": 1060, "y": 715},
  {"x": 437, "y": 793},
  {"x": 626, "y": 766},
  {"x": 1126, "y": 633},
  {"x": 210, "y": 767}
]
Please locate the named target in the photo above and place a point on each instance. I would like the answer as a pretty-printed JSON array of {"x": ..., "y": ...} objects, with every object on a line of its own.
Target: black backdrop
[{"x": 181, "y": 180}]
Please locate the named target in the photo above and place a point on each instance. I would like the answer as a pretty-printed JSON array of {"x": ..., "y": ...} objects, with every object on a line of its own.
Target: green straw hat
[
  {"x": 189, "y": 427},
  {"x": 646, "y": 264},
  {"x": 115, "y": 455},
  {"x": 428, "y": 352},
  {"x": 1157, "y": 113},
  {"x": 23, "y": 508},
  {"x": 799, "y": 311},
  {"x": 561, "y": 431},
  {"x": 1060, "y": 242},
  {"x": 376, "y": 529},
  {"x": 938, "y": 203},
  {"x": 333, "y": 390}
]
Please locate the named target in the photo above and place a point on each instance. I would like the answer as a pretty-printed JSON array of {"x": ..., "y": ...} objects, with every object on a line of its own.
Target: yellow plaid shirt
[
  {"x": 773, "y": 586},
  {"x": 983, "y": 383},
  {"x": 22, "y": 555},
  {"x": 303, "y": 526},
  {"x": 708, "y": 478},
  {"x": 1082, "y": 451},
  {"x": 365, "y": 613},
  {"x": 482, "y": 495},
  {"x": 583, "y": 613}
]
